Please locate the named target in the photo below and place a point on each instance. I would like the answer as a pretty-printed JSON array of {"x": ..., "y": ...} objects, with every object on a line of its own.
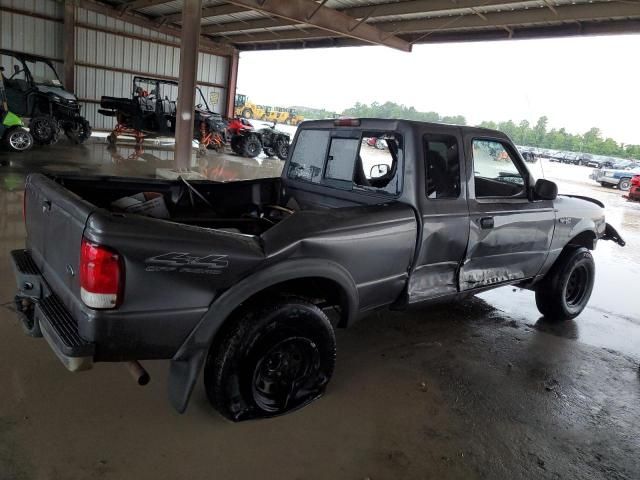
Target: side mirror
[
  {"x": 545, "y": 189},
  {"x": 379, "y": 170}
]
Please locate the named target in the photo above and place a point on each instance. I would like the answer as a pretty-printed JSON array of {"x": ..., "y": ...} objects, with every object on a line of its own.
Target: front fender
[{"x": 189, "y": 359}]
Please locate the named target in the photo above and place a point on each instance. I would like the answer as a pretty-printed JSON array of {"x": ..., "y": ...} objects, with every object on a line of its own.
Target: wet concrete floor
[{"x": 485, "y": 388}]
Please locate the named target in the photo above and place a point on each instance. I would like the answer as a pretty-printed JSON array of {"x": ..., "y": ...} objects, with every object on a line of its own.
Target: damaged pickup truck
[{"x": 249, "y": 279}]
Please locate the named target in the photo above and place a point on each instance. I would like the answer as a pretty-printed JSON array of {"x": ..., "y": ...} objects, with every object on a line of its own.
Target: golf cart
[
  {"x": 34, "y": 91},
  {"x": 151, "y": 113},
  {"x": 12, "y": 132}
]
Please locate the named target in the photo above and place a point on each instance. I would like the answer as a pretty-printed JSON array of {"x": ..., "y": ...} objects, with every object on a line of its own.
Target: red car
[{"x": 634, "y": 191}]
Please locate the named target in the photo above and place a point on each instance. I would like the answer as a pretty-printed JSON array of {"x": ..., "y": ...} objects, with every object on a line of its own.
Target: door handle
[{"x": 486, "y": 222}]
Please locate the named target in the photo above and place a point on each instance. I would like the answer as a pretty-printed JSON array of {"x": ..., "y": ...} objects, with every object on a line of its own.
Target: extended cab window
[
  {"x": 495, "y": 172},
  {"x": 442, "y": 166},
  {"x": 348, "y": 160}
]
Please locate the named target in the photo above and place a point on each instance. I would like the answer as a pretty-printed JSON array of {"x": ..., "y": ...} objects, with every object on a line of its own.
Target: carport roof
[{"x": 276, "y": 24}]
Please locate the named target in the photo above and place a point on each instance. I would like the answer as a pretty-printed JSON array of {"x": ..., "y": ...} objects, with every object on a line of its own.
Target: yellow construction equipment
[{"x": 245, "y": 108}]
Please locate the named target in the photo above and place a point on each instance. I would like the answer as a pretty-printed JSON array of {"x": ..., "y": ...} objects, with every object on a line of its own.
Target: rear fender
[{"x": 189, "y": 359}]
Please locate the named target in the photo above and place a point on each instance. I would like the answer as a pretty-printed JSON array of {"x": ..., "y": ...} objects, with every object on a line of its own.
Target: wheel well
[
  {"x": 585, "y": 239},
  {"x": 325, "y": 293}
]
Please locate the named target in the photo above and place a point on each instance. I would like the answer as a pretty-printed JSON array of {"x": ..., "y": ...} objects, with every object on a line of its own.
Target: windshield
[{"x": 42, "y": 73}]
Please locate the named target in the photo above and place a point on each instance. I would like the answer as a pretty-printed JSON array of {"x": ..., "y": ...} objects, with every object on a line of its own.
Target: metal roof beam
[
  {"x": 135, "y": 4},
  {"x": 370, "y": 11},
  {"x": 566, "y": 13},
  {"x": 428, "y": 26},
  {"x": 216, "y": 11},
  {"x": 327, "y": 19},
  {"x": 136, "y": 19}
]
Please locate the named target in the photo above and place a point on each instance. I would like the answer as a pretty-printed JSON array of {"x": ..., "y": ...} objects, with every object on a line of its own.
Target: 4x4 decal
[{"x": 187, "y": 263}]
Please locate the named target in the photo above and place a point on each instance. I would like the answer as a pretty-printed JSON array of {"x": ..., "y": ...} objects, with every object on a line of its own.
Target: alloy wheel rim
[{"x": 20, "y": 141}]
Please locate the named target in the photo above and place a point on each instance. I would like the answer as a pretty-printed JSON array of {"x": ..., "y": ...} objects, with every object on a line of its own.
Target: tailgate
[{"x": 55, "y": 220}]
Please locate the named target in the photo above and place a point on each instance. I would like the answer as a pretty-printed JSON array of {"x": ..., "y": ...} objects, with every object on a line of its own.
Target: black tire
[
  {"x": 624, "y": 184},
  {"x": 247, "y": 113},
  {"x": 44, "y": 129},
  {"x": 250, "y": 146},
  {"x": 269, "y": 152},
  {"x": 282, "y": 148},
  {"x": 567, "y": 287},
  {"x": 270, "y": 360},
  {"x": 79, "y": 132},
  {"x": 18, "y": 139}
]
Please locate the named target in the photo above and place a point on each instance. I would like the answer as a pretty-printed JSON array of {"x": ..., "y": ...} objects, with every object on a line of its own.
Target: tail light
[
  {"x": 347, "y": 122},
  {"x": 100, "y": 276}
]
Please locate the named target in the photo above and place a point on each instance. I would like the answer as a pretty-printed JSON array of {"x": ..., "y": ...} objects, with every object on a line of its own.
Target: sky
[{"x": 578, "y": 83}]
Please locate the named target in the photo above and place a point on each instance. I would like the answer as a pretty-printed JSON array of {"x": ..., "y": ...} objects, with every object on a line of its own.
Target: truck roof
[{"x": 395, "y": 123}]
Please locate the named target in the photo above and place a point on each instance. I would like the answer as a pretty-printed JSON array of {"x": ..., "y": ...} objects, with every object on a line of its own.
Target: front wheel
[
  {"x": 250, "y": 146},
  {"x": 44, "y": 130},
  {"x": 18, "y": 139},
  {"x": 567, "y": 287},
  {"x": 271, "y": 360},
  {"x": 282, "y": 149}
]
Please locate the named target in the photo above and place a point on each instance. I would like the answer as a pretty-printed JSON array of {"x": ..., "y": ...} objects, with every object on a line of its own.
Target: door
[
  {"x": 444, "y": 214},
  {"x": 509, "y": 232}
]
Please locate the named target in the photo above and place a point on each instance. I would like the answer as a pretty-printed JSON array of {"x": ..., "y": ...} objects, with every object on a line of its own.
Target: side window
[
  {"x": 442, "y": 164},
  {"x": 495, "y": 172},
  {"x": 308, "y": 157},
  {"x": 377, "y": 162}
]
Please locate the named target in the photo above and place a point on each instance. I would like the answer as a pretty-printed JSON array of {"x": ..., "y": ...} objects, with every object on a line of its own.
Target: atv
[
  {"x": 34, "y": 91},
  {"x": 151, "y": 113},
  {"x": 12, "y": 132},
  {"x": 274, "y": 142},
  {"x": 245, "y": 141},
  {"x": 248, "y": 142}
]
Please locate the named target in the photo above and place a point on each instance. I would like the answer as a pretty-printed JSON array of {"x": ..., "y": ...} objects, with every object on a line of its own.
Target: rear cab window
[{"x": 362, "y": 161}]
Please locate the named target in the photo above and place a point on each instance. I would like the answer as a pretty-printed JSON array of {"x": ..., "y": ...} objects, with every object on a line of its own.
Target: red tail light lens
[{"x": 100, "y": 276}]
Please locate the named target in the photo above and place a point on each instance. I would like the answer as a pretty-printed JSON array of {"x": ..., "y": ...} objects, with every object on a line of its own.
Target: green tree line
[{"x": 522, "y": 133}]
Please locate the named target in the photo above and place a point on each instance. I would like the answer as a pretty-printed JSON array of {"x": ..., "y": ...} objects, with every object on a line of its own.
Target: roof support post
[
  {"x": 69, "y": 42},
  {"x": 189, "y": 42},
  {"x": 232, "y": 83}
]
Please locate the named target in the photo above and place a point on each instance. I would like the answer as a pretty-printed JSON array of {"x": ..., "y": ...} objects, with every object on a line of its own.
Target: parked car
[
  {"x": 612, "y": 177},
  {"x": 239, "y": 278}
]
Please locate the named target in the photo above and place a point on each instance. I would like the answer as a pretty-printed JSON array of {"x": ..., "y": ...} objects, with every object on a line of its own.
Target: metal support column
[
  {"x": 232, "y": 83},
  {"x": 69, "y": 50},
  {"x": 189, "y": 45}
]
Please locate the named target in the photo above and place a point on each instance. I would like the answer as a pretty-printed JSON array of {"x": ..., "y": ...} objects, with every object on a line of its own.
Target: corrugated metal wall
[
  {"x": 44, "y": 36},
  {"x": 107, "y": 63},
  {"x": 109, "y": 53}
]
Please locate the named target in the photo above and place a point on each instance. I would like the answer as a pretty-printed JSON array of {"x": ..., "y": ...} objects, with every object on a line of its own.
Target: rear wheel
[
  {"x": 44, "y": 130},
  {"x": 18, "y": 139},
  {"x": 567, "y": 287},
  {"x": 272, "y": 360},
  {"x": 625, "y": 184},
  {"x": 79, "y": 132}
]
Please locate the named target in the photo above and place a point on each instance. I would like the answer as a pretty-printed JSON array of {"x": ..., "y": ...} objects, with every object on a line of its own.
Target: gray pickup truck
[{"x": 249, "y": 279}]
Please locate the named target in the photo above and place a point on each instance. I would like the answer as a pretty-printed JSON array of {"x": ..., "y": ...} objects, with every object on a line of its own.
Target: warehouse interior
[{"x": 484, "y": 388}]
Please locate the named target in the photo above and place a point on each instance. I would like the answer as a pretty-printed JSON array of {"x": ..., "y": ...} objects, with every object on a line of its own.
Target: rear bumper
[{"x": 58, "y": 326}]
